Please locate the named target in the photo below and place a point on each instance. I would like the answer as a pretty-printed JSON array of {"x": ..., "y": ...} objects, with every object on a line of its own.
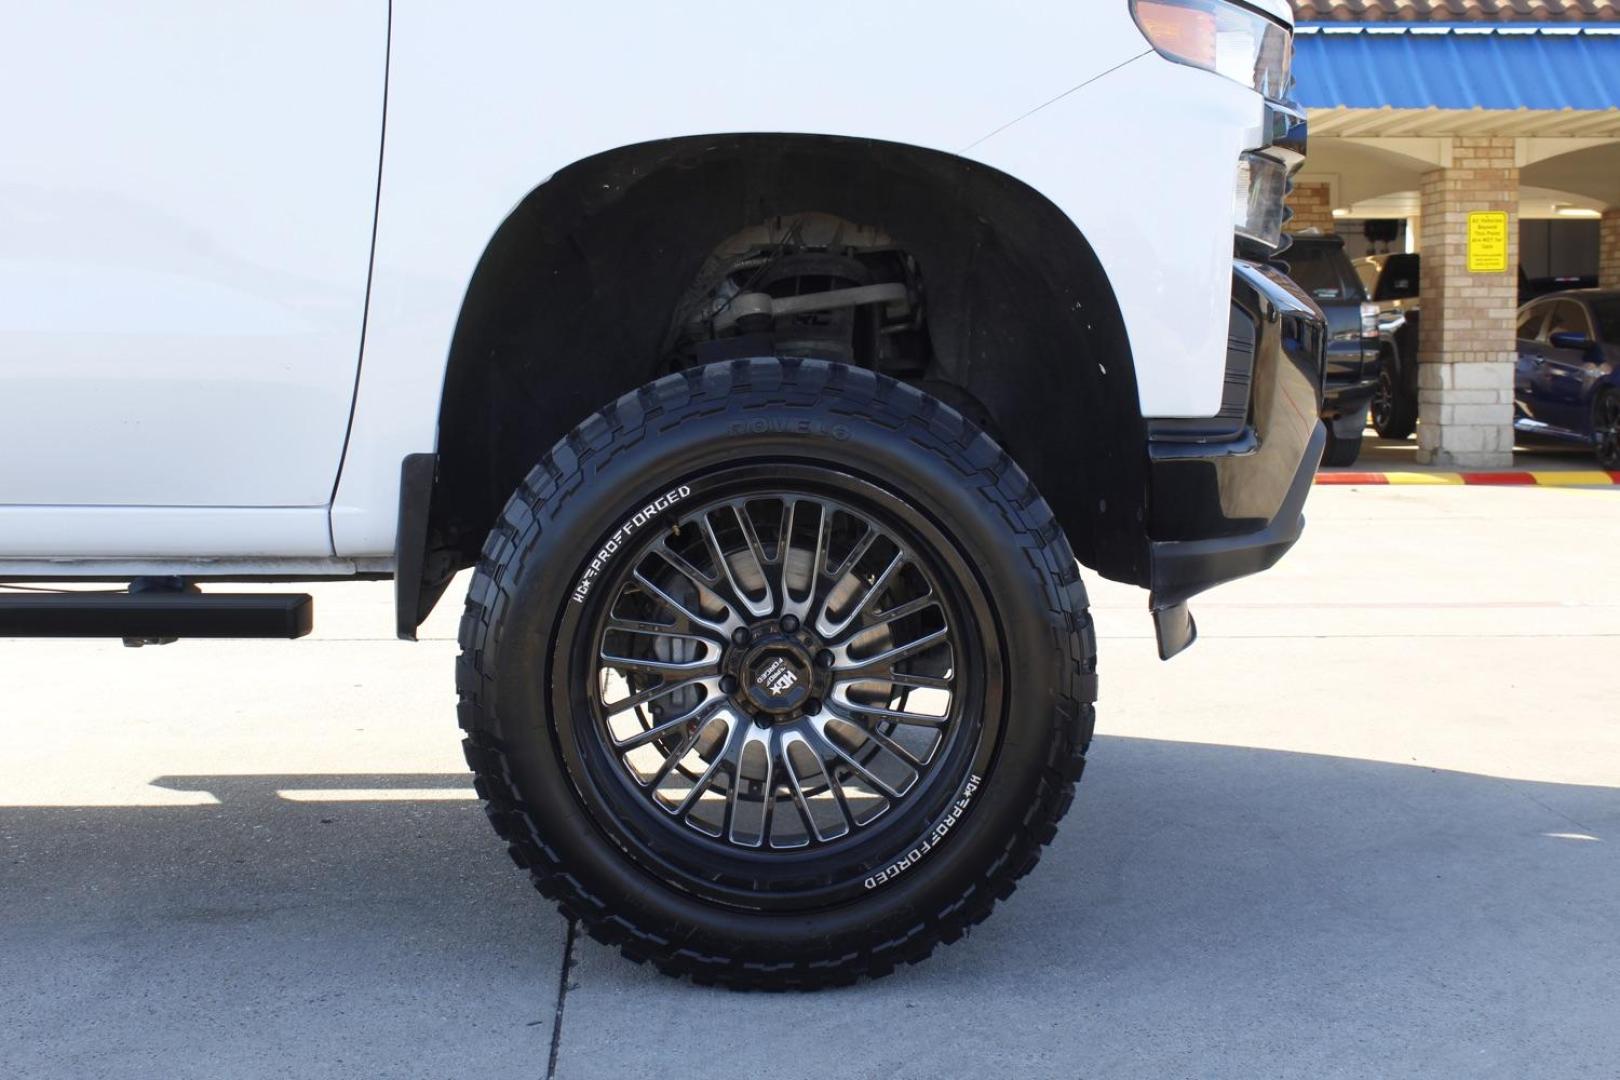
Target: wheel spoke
[
  {"x": 888, "y": 616},
  {"x": 704, "y": 780},
  {"x": 840, "y": 698},
  {"x": 665, "y": 727},
  {"x": 818, "y": 565},
  {"x": 855, "y": 553},
  {"x": 653, "y": 693},
  {"x": 708, "y": 665},
  {"x": 871, "y": 732},
  {"x": 767, "y": 814},
  {"x": 812, "y": 826},
  {"x": 674, "y": 757},
  {"x": 756, "y": 608},
  {"x": 910, "y": 679},
  {"x": 691, "y": 617},
  {"x": 816, "y": 584},
  {"x": 880, "y": 663},
  {"x": 831, "y": 630},
  {"x": 751, "y": 536},
  {"x": 818, "y": 725},
  {"x": 752, "y": 736}
]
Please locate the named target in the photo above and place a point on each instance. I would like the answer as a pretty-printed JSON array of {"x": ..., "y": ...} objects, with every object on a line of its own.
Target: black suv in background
[{"x": 1319, "y": 266}]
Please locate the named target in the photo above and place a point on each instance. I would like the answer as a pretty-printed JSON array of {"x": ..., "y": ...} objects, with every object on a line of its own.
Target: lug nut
[
  {"x": 812, "y": 706},
  {"x": 790, "y": 623},
  {"x": 741, "y": 636},
  {"x": 728, "y": 684},
  {"x": 824, "y": 658},
  {"x": 762, "y": 719}
]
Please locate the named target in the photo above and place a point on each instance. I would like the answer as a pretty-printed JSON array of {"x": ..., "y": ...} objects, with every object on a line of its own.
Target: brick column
[
  {"x": 1312, "y": 204},
  {"x": 1466, "y": 343},
  {"x": 1609, "y": 249}
]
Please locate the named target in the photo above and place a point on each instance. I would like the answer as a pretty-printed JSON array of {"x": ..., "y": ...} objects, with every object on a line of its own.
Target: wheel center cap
[{"x": 777, "y": 677}]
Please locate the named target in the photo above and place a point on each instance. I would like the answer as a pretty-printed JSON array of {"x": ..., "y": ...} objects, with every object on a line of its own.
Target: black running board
[{"x": 155, "y": 616}]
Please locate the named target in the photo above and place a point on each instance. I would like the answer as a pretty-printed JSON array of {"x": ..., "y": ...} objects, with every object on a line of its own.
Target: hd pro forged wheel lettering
[
  {"x": 958, "y": 808},
  {"x": 622, "y": 533},
  {"x": 776, "y": 673}
]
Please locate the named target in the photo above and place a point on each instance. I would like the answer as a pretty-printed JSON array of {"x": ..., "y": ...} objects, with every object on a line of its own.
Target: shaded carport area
[{"x": 1460, "y": 129}]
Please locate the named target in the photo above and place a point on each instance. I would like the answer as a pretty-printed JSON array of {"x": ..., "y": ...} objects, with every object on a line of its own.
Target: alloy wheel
[{"x": 778, "y": 671}]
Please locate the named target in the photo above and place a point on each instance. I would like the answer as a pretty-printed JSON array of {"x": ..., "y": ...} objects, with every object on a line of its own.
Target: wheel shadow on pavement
[
  {"x": 1205, "y": 910},
  {"x": 1217, "y": 910}
]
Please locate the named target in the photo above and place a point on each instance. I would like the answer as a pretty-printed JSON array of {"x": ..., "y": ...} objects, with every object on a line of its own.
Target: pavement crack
[
  {"x": 1553, "y": 810},
  {"x": 562, "y": 999}
]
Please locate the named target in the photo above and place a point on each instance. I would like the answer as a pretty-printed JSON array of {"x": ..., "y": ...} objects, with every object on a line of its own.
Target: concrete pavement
[{"x": 1366, "y": 827}]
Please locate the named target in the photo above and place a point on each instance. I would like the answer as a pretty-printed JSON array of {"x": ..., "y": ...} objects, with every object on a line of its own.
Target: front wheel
[
  {"x": 1341, "y": 450},
  {"x": 1394, "y": 407},
  {"x": 776, "y": 674},
  {"x": 1606, "y": 429}
]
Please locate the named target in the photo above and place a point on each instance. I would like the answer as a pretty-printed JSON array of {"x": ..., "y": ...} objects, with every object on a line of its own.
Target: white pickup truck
[{"x": 774, "y": 371}]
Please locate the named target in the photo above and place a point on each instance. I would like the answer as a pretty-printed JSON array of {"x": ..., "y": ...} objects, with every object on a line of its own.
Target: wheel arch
[{"x": 570, "y": 305}]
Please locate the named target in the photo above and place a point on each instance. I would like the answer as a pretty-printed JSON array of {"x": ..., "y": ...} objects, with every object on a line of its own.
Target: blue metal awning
[{"x": 1431, "y": 66}]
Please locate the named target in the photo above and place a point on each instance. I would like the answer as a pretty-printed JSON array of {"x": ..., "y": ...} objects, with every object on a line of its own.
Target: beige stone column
[
  {"x": 1609, "y": 249},
  {"x": 1466, "y": 343},
  {"x": 1312, "y": 204}
]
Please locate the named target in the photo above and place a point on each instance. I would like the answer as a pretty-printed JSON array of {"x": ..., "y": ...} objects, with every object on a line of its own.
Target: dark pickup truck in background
[
  {"x": 1319, "y": 266},
  {"x": 1391, "y": 281}
]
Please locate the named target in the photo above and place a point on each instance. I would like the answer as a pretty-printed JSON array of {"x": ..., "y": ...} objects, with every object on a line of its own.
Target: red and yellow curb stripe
[{"x": 1521, "y": 478}]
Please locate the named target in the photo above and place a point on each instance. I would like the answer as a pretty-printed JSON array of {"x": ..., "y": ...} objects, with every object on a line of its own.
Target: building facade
[{"x": 1437, "y": 113}]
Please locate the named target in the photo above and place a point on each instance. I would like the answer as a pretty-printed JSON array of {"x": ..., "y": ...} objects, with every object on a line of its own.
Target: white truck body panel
[
  {"x": 185, "y": 236},
  {"x": 1068, "y": 98},
  {"x": 256, "y": 167}
]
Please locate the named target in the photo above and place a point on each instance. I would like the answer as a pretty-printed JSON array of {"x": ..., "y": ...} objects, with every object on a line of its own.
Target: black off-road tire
[
  {"x": 1340, "y": 451},
  {"x": 523, "y": 732}
]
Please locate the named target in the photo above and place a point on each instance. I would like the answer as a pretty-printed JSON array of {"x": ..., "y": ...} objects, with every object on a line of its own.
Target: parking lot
[{"x": 1366, "y": 826}]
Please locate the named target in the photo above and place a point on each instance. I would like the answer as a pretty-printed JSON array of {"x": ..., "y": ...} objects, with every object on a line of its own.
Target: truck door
[{"x": 187, "y": 196}]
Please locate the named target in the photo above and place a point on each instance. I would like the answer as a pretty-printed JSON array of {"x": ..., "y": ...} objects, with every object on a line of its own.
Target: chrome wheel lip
[{"x": 819, "y": 722}]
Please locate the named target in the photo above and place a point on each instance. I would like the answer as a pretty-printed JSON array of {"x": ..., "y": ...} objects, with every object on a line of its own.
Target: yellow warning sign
[{"x": 1488, "y": 242}]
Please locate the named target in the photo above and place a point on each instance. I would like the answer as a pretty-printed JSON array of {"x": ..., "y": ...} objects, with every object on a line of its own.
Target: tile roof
[{"x": 1559, "y": 11}]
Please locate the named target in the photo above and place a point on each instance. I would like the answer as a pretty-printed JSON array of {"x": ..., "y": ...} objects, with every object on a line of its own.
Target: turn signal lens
[
  {"x": 1222, "y": 37},
  {"x": 1180, "y": 31}
]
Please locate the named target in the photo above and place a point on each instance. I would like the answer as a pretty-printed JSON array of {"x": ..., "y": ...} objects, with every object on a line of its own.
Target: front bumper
[{"x": 1224, "y": 508}]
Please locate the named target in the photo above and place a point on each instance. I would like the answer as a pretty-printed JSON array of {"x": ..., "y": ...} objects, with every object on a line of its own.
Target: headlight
[
  {"x": 1257, "y": 211},
  {"x": 1222, "y": 37}
]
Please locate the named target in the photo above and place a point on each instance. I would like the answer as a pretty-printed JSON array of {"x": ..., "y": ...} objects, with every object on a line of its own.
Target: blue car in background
[{"x": 1566, "y": 384}]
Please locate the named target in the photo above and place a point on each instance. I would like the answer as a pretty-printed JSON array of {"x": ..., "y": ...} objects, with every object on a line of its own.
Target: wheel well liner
[{"x": 570, "y": 306}]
